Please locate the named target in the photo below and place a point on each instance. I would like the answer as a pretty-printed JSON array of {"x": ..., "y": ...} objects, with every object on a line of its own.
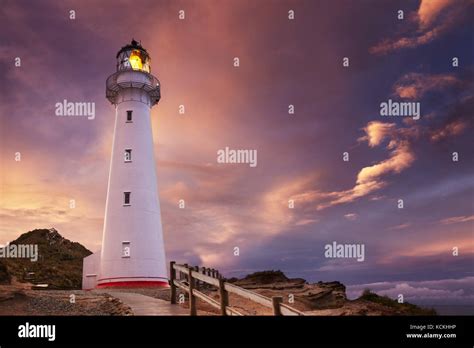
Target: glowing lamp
[{"x": 135, "y": 60}]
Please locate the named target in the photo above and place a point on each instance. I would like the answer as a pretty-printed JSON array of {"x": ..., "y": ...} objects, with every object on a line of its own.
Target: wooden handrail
[
  {"x": 287, "y": 310},
  {"x": 181, "y": 285},
  {"x": 214, "y": 278},
  {"x": 181, "y": 268},
  {"x": 205, "y": 278},
  {"x": 250, "y": 295}
]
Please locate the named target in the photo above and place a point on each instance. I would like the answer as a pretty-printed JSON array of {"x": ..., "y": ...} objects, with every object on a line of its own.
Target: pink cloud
[
  {"x": 351, "y": 216},
  {"x": 429, "y": 10},
  {"x": 376, "y": 132},
  {"x": 433, "y": 18},
  {"x": 457, "y": 219},
  {"x": 451, "y": 129},
  {"x": 400, "y": 227},
  {"x": 401, "y": 158},
  {"x": 414, "y": 85},
  {"x": 438, "y": 248},
  {"x": 369, "y": 179}
]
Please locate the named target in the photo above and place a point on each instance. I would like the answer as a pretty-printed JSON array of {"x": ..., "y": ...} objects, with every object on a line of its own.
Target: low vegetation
[{"x": 406, "y": 308}]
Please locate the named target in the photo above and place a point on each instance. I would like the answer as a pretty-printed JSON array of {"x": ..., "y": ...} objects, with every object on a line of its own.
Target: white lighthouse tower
[{"x": 132, "y": 252}]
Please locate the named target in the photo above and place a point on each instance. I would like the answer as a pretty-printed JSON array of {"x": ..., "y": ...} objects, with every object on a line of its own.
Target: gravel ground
[{"x": 14, "y": 301}]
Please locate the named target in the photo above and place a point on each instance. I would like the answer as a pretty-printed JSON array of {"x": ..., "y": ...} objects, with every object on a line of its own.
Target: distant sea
[{"x": 451, "y": 309}]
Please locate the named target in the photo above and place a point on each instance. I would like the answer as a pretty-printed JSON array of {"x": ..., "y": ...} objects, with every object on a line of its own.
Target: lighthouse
[{"x": 132, "y": 253}]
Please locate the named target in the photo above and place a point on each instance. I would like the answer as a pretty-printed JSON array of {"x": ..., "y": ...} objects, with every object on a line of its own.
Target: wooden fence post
[
  {"x": 197, "y": 281},
  {"x": 172, "y": 278},
  {"x": 224, "y": 296},
  {"x": 203, "y": 270},
  {"x": 186, "y": 277},
  {"x": 276, "y": 300},
  {"x": 192, "y": 298}
]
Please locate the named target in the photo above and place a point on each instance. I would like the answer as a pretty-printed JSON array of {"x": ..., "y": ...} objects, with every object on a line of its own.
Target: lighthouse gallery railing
[{"x": 147, "y": 82}]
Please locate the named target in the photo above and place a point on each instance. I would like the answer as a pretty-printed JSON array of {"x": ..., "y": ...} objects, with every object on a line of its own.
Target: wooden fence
[{"x": 190, "y": 280}]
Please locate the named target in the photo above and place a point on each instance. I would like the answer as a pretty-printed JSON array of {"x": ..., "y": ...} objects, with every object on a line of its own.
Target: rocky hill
[{"x": 59, "y": 261}]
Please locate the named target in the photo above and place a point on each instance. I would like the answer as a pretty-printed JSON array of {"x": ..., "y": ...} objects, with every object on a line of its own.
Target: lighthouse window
[
  {"x": 129, "y": 115},
  {"x": 128, "y": 155},
  {"x": 126, "y": 198},
  {"x": 125, "y": 249}
]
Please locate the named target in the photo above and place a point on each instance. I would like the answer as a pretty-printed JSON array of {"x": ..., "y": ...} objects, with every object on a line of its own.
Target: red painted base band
[{"x": 135, "y": 284}]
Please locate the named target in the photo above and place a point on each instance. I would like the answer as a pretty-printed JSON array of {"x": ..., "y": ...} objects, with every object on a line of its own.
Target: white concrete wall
[
  {"x": 139, "y": 223},
  {"x": 90, "y": 271}
]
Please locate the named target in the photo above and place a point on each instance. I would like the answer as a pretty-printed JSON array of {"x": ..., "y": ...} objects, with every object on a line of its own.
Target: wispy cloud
[
  {"x": 351, "y": 216},
  {"x": 370, "y": 179},
  {"x": 439, "y": 248},
  {"x": 433, "y": 19},
  {"x": 415, "y": 85},
  {"x": 376, "y": 132},
  {"x": 429, "y": 10},
  {"x": 400, "y": 227},
  {"x": 451, "y": 129},
  {"x": 457, "y": 219}
]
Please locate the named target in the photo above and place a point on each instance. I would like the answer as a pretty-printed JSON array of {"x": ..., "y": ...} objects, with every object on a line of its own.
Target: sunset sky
[{"x": 300, "y": 156}]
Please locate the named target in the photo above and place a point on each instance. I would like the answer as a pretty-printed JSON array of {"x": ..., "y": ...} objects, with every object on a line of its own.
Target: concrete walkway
[{"x": 146, "y": 305}]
